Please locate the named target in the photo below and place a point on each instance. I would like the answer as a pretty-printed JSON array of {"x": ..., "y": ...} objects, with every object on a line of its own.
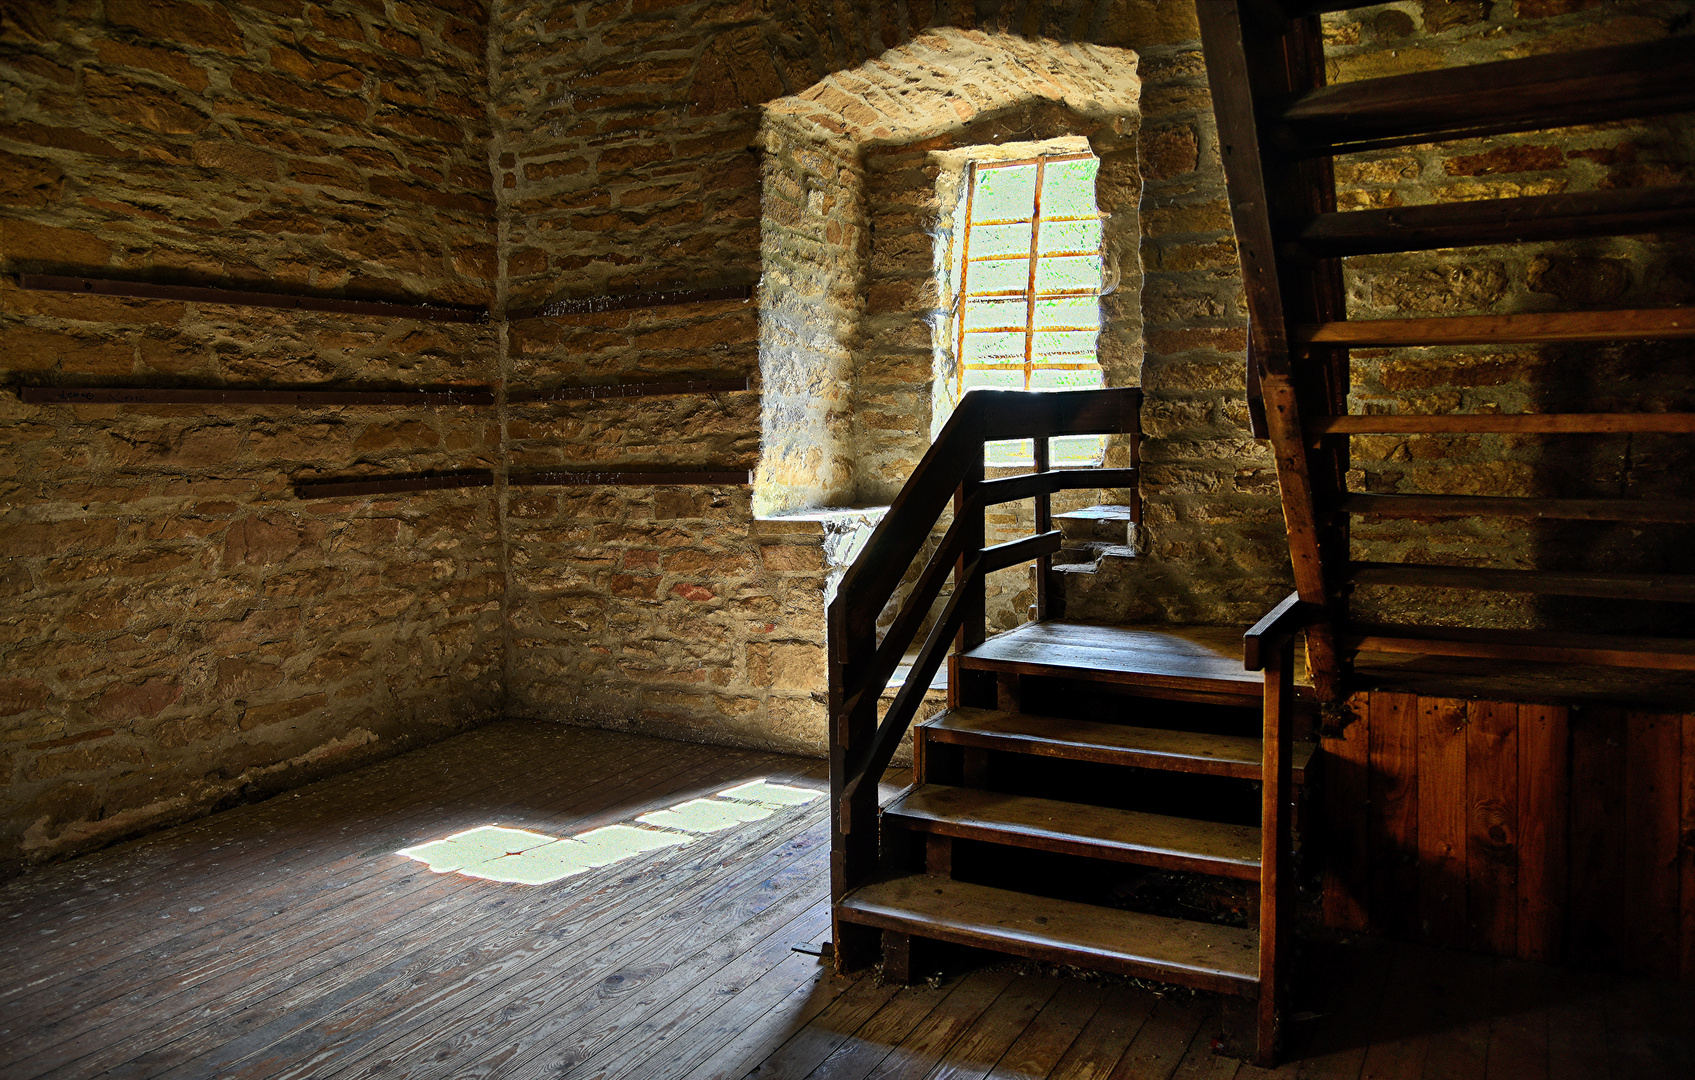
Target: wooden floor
[{"x": 288, "y": 939}]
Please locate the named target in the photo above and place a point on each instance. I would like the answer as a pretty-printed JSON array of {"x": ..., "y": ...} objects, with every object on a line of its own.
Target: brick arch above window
[{"x": 852, "y": 214}]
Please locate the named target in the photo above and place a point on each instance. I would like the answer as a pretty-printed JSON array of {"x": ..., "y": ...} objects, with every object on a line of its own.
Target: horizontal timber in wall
[
  {"x": 135, "y": 395},
  {"x": 705, "y": 477},
  {"x": 200, "y": 294},
  {"x": 629, "y": 390},
  {"x": 384, "y": 485},
  {"x": 589, "y": 305}
]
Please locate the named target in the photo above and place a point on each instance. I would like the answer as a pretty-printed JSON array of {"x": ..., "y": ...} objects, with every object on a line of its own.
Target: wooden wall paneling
[
  {"x": 1686, "y": 852},
  {"x": 1650, "y": 884},
  {"x": 1597, "y": 827},
  {"x": 1442, "y": 820},
  {"x": 1544, "y": 770},
  {"x": 1491, "y": 785},
  {"x": 1347, "y": 805},
  {"x": 1393, "y": 798}
]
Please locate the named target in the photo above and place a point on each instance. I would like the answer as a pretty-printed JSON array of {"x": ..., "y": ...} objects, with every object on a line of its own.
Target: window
[{"x": 1029, "y": 274}]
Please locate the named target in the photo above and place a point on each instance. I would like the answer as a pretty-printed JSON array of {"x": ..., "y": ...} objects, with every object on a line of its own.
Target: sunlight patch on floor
[{"x": 522, "y": 857}]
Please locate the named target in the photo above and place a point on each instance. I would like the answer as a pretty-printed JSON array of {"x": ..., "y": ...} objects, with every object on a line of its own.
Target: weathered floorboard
[{"x": 679, "y": 964}]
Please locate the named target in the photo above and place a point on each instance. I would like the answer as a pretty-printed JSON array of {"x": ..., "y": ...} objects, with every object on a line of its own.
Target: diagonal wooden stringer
[{"x": 1286, "y": 58}]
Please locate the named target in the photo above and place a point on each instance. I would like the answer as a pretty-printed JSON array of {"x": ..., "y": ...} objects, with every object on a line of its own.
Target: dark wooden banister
[
  {"x": 951, "y": 471},
  {"x": 1269, "y": 646},
  {"x": 1277, "y": 628}
]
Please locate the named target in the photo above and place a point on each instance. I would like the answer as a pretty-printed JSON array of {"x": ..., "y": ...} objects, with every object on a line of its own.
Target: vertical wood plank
[
  {"x": 1492, "y": 828},
  {"x": 1597, "y": 835},
  {"x": 1651, "y": 775},
  {"x": 1686, "y": 851},
  {"x": 1543, "y": 773},
  {"x": 1347, "y": 762},
  {"x": 1441, "y": 820},
  {"x": 1393, "y": 799}
]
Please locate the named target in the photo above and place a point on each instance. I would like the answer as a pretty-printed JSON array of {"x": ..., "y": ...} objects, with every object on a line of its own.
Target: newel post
[{"x": 853, "y": 818}]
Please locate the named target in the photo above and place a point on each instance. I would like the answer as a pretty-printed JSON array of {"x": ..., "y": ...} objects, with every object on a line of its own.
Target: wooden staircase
[
  {"x": 1072, "y": 758},
  {"x": 1281, "y": 130}
]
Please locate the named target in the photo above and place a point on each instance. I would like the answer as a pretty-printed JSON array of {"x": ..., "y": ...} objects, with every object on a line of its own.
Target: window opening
[{"x": 1029, "y": 288}]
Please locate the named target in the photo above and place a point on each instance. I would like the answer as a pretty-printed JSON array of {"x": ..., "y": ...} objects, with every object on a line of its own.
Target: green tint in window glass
[
  {"x": 1029, "y": 320},
  {"x": 1004, "y": 193}
]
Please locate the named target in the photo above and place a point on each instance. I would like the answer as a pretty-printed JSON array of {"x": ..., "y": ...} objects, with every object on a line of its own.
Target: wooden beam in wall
[
  {"x": 628, "y": 478},
  {"x": 353, "y": 487},
  {"x": 199, "y": 294},
  {"x": 589, "y": 305},
  {"x": 138, "y": 395},
  {"x": 629, "y": 390}
]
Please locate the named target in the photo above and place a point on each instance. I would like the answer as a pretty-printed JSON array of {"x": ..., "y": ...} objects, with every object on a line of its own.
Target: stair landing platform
[{"x": 1176, "y": 658}]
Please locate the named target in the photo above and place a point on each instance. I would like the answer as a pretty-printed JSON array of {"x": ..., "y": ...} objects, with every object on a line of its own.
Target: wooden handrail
[
  {"x": 950, "y": 472},
  {"x": 1278, "y": 625},
  {"x": 1012, "y": 414}
]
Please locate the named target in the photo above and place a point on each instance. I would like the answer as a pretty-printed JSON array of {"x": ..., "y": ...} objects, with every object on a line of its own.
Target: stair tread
[
  {"x": 1175, "y": 843},
  {"x": 1124, "y": 744},
  {"x": 1502, "y": 423},
  {"x": 1548, "y": 646},
  {"x": 1634, "y": 324},
  {"x": 1186, "y": 658},
  {"x": 1554, "y": 90},
  {"x": 1220, "y": 958},
  {"x": 1677, "y": 511},
  {"x": 1664, "y": 587},
  {"x": 1613, "y": 212}
]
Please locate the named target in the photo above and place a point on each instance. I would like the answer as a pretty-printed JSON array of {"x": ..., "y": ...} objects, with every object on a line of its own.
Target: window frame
[{"x": 1033, "y": 258}]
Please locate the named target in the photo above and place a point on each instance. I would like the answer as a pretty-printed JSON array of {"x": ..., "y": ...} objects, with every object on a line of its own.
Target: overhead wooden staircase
[
  {"x": 1281, "y": 130},
  {"x": 1069, "y": 751}
]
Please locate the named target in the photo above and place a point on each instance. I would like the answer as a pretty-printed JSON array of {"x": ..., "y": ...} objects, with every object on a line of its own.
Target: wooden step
[
  {"x": 1626, "y": 212},
  {"x": 1111, "y": 744},
  {"x": 1218, "y": 958},
  {"x": 1671, "y": 423},
  {"x": 1099, "y": 832},
  {"x": 1678, "y": 588},
  {"x": 1675, "y": 511},
  {"x": 1186, "y": 662},
  {"x": 1555, "y": 90},
  {"x": 1644, "y": 324},
  {"x": 1541, "y": 646}
]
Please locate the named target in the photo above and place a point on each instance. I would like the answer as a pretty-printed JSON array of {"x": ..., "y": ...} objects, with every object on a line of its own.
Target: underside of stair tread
[
  {"x": 1172, "y": 843},
  {"x": 1114, "y": 744},
  {"x": 1193, "y": 658},
  {"x": 1220, "y": 958}
]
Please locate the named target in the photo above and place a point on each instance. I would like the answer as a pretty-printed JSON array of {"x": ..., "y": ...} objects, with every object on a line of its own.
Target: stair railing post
[
  {"x": 1274, "y": 839},
  {"x": 1044, "y": 522},
  {"x": 1269, "y": 647},
  {"x": 853, "y": 817},
  {"x": 973, "y": 627}
]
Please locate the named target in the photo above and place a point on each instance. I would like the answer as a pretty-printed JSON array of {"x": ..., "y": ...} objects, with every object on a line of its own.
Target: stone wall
[
  {"x": 178, "y": 629},
  {"x": 812, "y": 303}
]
